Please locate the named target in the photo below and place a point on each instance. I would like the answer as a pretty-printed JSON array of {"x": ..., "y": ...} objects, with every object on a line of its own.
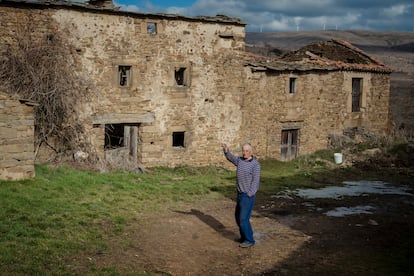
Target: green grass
[{"x": 63, "y": 211}]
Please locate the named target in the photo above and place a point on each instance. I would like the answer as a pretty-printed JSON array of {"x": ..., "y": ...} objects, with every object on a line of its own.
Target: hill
[{"x": 395, "y": 49}]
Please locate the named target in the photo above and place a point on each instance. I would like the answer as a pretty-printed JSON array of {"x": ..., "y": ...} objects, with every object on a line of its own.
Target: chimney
[{"x": 106, "y": 4}]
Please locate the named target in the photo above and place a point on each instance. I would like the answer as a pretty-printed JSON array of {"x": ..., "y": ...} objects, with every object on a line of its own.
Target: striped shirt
[{"x": 248, "y": 173}]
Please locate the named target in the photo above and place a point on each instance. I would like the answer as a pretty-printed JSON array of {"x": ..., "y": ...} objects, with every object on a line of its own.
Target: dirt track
[{"x": 293, "y": 238}]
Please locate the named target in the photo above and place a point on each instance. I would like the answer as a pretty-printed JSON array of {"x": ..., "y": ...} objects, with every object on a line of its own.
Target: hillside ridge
[{"x": 295, "y": 40}]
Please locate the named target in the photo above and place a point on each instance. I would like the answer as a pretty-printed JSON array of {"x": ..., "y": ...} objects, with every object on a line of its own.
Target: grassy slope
[{"x": 63, "y": 211}]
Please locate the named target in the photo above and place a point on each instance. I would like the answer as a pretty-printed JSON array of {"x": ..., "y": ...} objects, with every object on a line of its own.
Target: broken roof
[
  {"x": 107, "y": 6},
  {"x": 328, "y": 55}
]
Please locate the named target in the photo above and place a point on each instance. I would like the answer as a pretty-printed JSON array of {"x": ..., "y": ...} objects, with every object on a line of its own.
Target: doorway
[
  {"x": 121, "y": 143},
  {"x": 289, "y": 144}
]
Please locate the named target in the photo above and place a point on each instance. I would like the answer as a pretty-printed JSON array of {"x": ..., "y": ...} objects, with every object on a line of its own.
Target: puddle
[
  {"x": 353, "y": 188},
  {"x": 346, "y": 211}
]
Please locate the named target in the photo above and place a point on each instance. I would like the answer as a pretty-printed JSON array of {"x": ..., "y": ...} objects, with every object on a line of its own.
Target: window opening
[
  {"x": 292, "y": 85},
  {"x": 152, "y": 28},
  {"x": 180, "y": 76},
  {"x": 356, "y": 94},
  {"x": 114, "y": 136},
  {"x": 289, "y": 144},
  {"x": 178, "y": 139},
  {"x": 124, "y": 75}
]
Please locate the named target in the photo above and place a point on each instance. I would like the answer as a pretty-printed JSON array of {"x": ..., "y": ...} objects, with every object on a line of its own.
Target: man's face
[{"x": 247, "y": 152}]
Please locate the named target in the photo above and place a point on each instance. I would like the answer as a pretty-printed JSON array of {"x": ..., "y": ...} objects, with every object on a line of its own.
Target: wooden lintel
[{"x": 123, "y": 118}]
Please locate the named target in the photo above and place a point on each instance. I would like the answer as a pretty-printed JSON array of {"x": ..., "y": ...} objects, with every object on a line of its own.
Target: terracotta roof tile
[{"x": 322, "y": 55}]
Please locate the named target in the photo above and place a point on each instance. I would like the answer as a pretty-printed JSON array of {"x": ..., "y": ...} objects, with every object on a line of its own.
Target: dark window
[
  {"x": 356, "y": 94},
  {"x": 152, "y": 28},
  {"x": 180, "y": 76},
  {"x": 292, "y": 85},
  {"x": 124, "y": 75},
  {"x": 178, "y": 139},
  {"x": 114, "y": 136},
  {"x": 289, "y": 144}
]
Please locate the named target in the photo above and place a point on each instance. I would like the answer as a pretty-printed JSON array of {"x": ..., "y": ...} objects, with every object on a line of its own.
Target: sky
[{"x": 292, "y": 15}]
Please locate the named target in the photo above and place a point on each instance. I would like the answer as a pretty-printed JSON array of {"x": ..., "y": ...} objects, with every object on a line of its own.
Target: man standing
[{"x": 248, "y": 179}]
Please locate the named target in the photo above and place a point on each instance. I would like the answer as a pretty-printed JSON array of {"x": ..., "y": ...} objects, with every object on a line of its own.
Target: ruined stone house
[
  {"x": 312, "y": 94},
  {"x": 167, "y": 90}
]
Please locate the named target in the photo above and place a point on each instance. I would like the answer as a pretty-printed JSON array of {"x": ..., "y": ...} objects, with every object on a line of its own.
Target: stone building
[
  {"x": 167, "y": 90},
  {"x": 16, "y": 138},
  {"x": 312, "y": 94}
]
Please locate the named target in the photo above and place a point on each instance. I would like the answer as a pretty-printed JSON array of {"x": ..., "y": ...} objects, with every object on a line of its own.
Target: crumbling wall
[
  {"x": 321, "y": 106},
  {"x": 171, "y": 76},
  {"x": 206, "y": 108},
  {"x": 16, "y": 139}
]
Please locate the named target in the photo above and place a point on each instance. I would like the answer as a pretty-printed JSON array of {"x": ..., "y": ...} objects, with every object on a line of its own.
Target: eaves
[{"x": 222, "y": 19}]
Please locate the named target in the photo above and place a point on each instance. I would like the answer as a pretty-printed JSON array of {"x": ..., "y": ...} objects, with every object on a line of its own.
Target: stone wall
[
  {"x": 218, "y": 98},
  {"x": 206, "y": 108},
  {"x": 321, "y": 106},
  {"x": 16, "y": 139}
]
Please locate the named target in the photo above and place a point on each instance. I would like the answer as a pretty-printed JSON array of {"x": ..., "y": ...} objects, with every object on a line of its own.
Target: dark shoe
[
  {"x": 239, "y": 240},
  {"x": 246, "y": 244}
]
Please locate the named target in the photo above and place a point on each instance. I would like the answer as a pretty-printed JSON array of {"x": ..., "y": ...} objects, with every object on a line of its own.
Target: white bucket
[{"x": 338, "y": 158}]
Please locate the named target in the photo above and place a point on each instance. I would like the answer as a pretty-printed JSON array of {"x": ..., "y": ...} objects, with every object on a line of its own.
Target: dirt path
[
  {"x": 293, "y": 237},
  {"x": 202, "y": 241}
]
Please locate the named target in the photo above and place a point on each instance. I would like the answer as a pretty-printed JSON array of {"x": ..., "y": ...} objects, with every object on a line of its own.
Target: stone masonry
[
  {"x": 320, "y": 107},
  {"x": 167, "y": 90},
  {"x": 16, "y": 139}
]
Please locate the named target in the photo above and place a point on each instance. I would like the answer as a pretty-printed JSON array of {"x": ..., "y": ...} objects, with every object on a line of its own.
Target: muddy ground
[{"x": 293, "y": 235}]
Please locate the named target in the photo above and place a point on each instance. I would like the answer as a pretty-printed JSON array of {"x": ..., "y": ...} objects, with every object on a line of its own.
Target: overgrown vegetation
[{"x": 40, "y": 68}]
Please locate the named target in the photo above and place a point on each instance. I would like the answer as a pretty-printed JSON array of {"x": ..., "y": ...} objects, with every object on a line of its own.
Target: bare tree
[{"x": 40, "y": 67}]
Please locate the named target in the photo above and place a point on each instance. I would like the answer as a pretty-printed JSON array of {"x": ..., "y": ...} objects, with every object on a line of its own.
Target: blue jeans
[{"x": 243, "y": 212}]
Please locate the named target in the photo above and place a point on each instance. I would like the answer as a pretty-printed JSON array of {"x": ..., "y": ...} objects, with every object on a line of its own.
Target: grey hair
[{"x": 247, "y": 144}]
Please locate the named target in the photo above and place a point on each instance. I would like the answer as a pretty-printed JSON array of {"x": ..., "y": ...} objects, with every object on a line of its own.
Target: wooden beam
[{"x": 123, "y": 118}]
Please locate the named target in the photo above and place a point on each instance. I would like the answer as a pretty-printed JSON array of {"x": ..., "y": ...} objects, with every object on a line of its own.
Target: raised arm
[{"x": 232, "y": 158}]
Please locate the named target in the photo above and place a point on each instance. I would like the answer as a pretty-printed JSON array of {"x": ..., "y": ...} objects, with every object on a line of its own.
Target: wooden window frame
[
  {"x": 124, "y": 76},
  {"x": 152, "y": 28},
  {"x": 357, "y": 90},
  {"x": 182, "y": 76},
  {"x": 292, "y": 85}
]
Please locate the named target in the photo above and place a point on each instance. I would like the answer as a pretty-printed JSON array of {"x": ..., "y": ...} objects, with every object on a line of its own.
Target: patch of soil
[{"x": 294, "y": 237}]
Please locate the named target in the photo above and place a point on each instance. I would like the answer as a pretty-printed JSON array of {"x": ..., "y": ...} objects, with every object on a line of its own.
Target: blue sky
[{"x": 292, "y": 15}]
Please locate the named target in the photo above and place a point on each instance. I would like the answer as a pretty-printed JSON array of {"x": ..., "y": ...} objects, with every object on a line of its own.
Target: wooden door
[{"x": 289, "y": 144}]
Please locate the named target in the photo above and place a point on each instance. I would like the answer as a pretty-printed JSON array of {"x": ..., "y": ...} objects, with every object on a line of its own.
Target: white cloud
[
  {"x": 285, "y": 15},
  {"x": 395, "y": 11},
  {"x": 131, "y": 8}
]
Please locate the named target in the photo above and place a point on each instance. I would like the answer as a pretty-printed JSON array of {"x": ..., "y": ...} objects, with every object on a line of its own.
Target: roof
[
  {"x": 107, "y": 6},
  {"x": 331, "y": 55}
]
